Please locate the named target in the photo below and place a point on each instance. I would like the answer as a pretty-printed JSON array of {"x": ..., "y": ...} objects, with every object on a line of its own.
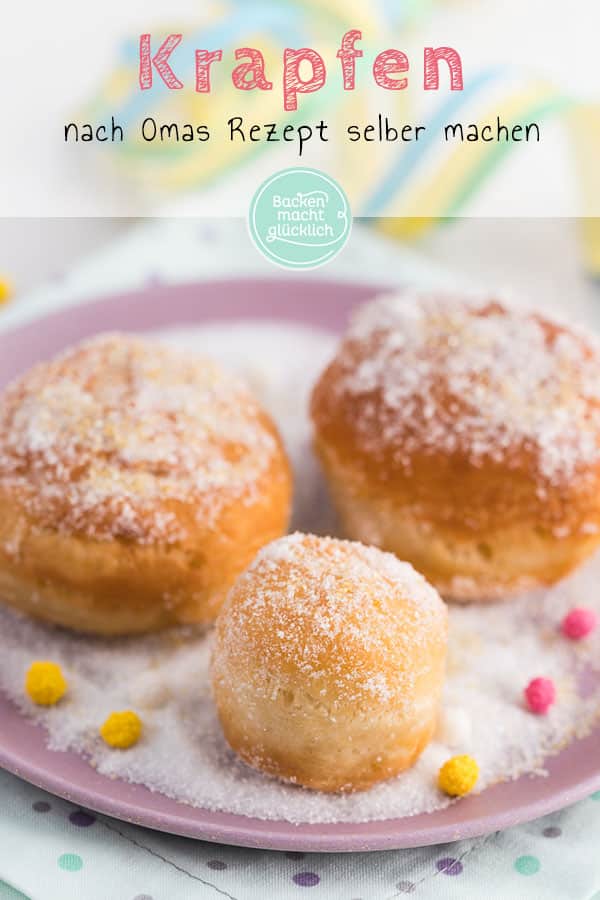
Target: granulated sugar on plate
[
  {"x": 494, "y": 650},
  {"x": 280, "y": 363}
]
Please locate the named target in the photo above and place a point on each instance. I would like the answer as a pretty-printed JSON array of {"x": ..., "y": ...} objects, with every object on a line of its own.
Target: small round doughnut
[
  {"x": 328, "y": 663},
  {"x": 464, "y": 436},
  {"x": 136, "y": 482}
]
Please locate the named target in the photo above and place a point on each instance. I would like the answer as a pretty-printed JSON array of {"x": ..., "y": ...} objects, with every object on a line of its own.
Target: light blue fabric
[{"x": 51, "y": 850}]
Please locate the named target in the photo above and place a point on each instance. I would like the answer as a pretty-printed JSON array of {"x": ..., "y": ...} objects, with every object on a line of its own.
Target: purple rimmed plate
[{"x": 572, "y": 775}]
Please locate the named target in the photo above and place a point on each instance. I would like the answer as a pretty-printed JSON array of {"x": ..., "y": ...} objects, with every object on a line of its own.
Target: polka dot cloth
[
  {"x": 70, "y": 862},
  {"x": 449, "y": 866},
  {"x": 41, "y": 806},
  {"x": 527, "y": 865},
  {"x": 81, "y": 819},
  {"x": 306, "y": 879}
]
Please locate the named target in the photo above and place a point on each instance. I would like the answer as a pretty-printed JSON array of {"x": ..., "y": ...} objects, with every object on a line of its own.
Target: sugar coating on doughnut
[
  {"x": 103, "y": 439},
  {"x": 438, "y": 373},
  {"x": 331, "y": 612}
]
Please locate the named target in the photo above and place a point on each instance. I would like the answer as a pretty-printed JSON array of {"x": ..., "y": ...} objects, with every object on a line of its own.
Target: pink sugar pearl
[
  {"x": 579, "y": 623},
  {"x": 540, "y": 694}
]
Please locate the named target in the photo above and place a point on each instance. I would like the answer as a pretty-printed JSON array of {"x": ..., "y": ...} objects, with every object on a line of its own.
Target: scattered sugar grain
[{"x": 455, "y": 728}]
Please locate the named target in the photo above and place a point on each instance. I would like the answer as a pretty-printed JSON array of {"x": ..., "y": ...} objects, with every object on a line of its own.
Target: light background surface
[
  {"x": 539, "y": 259},
  {"x": 54, "y": 62}
]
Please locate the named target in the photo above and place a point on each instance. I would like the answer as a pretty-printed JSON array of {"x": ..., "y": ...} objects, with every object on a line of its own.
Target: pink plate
[{"x": 573, "y": 774}]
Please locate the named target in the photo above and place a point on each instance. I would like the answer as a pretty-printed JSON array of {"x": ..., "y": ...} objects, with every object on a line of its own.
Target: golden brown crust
[
  {"x": 328, "y": 663},
  {"x": 118, "y": 528},
  {"x": 481, "y": 468}
]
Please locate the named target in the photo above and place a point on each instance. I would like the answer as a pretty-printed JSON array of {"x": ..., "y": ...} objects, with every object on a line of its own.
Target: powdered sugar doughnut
[
  {"x": 464, "y": 436},
  {"x": 136, "y": 482},
  {"x": 328, "y": 663}
]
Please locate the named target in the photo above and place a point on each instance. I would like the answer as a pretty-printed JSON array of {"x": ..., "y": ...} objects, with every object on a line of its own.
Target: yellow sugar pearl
[
  {"x": 6, "y": 290},
  {"x": 45, "y": 683},
  {"x": 458, "y": 776},
  {"x": 122, "y": 729}
]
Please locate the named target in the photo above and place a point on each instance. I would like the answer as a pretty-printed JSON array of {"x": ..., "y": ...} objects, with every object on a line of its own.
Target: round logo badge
[{"x": 300, "y": 218}]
